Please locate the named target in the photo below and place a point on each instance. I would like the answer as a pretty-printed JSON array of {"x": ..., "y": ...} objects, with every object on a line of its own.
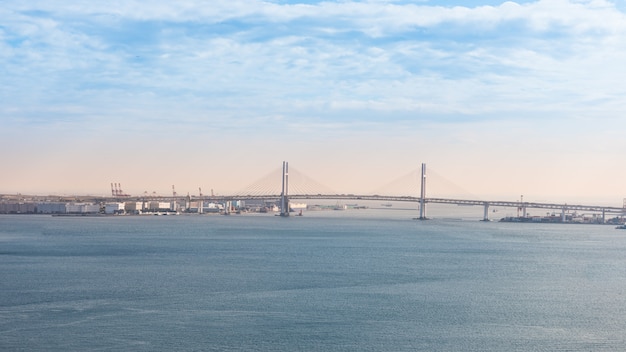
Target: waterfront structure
[
  {"x": 133, "y": 207},
  {"x": 82, "y": 208},
  {"x": 114, "y": 208},
  {"x": 159, "y": 206},
  {"x": 51, "y": 208},
  {"x": 297, "y": 206},
  {"x": 18, "y": 208}
]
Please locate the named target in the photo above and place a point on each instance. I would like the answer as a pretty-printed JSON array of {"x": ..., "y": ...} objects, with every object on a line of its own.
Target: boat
[{"x": 621, "y": 227}]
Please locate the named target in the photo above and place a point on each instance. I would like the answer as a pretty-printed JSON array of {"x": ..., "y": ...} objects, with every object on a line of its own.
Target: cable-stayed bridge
[{"x": 287, "y": 184}]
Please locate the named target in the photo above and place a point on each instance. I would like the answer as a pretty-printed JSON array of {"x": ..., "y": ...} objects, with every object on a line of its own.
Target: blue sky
[{"x": 502, "y": 97}]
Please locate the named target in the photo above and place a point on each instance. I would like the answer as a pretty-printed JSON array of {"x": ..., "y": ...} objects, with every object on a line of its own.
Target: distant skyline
[{"x": 500, "y": 98}]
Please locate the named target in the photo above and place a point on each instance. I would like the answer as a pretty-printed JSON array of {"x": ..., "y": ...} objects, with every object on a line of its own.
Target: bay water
[{"x": 328, "y": 281}]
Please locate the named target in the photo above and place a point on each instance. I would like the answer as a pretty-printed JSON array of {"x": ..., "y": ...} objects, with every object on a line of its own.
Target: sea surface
[{"x": 367, "y": 280}]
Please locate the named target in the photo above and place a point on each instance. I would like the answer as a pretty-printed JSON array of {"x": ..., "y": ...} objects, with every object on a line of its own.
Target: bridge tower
[
  {"x": 423, "y": 194},
  {"x": 284, "y": 201}
]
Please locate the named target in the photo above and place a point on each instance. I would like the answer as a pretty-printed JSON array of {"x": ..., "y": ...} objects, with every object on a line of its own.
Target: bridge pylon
[
  {"x": 423, "y": 194},
  {"x": 284, "y": 200}
]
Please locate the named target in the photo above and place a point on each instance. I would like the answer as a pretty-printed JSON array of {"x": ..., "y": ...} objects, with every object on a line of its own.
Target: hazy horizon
[{"x": 499, "y": 98}]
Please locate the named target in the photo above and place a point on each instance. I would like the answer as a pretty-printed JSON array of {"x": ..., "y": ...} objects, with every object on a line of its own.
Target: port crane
[{"x": 116, "y": 190}]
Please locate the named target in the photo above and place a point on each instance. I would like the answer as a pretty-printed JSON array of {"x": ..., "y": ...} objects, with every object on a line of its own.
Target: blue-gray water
[{"x": 322, "y": 282}]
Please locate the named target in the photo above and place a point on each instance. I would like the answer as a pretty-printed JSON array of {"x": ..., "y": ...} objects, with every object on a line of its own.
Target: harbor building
[
  {"x": 133, "y": 207},
  {"x": 114, "y": 208},
  {"x": 159, "y": 206},
  {"x": 82, "y": 208},
  {"x": 18, "y": 208},
  {"x": 51, "y": 208}
]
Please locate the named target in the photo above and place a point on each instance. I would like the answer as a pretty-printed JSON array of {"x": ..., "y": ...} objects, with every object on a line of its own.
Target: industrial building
[
  {"x": 18, "y": 208},
  {"x": 116, "y": 208},
  {"x": 82, "y": 208}
]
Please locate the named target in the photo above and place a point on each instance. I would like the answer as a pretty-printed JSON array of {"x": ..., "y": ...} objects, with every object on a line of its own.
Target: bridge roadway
[{"x": 484, "y": 203}]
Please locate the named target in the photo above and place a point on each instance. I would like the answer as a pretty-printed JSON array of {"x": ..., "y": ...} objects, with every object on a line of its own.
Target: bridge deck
[{"x": 469, "y": 202}]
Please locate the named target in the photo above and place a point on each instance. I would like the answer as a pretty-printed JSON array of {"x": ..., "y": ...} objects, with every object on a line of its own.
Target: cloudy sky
[{"x": 499, "y": 98}]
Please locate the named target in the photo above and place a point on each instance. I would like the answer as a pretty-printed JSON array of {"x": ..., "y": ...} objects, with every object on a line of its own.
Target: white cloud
[{"x": 254, "y": 69}]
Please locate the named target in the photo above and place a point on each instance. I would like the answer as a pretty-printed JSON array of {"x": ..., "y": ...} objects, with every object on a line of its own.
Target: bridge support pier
[
  {"x": 486, "y": 212},
  {"x": 563, "y": 217}
]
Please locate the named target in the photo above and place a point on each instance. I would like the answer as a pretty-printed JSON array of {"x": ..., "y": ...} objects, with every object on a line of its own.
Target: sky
[{"x": 498, "y": 98}]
